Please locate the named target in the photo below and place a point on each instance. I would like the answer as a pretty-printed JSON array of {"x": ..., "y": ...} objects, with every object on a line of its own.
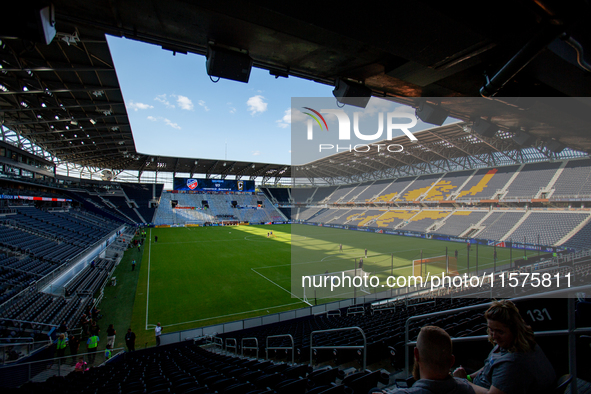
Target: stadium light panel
[
  {"x": 228, "y": 64},
  {"x": 524, "y": 139},
  {"x": 555, "y": 146},
  {"x": 485, "y": 128},
  {"x": 351, "y": 93},
  {"x": 432, "y": 114}
]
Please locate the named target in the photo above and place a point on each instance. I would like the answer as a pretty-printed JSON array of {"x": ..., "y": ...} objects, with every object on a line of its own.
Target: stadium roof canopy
[
  {"x": 65, "y": 98},
  {"x": 452, "y": 147}
]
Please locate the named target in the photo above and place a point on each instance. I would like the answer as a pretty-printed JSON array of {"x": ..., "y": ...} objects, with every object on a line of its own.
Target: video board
[{"x": 213, "y": 185}]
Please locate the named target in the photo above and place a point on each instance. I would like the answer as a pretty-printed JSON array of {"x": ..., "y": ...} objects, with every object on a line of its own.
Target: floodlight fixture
[
  {"x": 432, "y": 114},
  {"x": 228, "y": 64},
  {"x": 351, "y": 93},
  {"x": 485, "y": 128}
]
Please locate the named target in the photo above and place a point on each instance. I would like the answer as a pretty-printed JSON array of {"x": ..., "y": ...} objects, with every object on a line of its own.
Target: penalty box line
[
  {"x": 282, "y": 288},
  {"x": 148, "y": 282}
]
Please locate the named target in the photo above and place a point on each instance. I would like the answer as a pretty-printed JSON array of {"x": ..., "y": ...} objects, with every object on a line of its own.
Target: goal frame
[{"x": 450, "y": 265}]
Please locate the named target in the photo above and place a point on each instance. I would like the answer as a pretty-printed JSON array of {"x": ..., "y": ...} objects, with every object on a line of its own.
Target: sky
[{"x": 176, "y": 110}]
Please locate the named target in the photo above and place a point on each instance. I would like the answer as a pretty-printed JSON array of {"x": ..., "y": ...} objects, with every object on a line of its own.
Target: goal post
[{"x": 435, "y": 265}]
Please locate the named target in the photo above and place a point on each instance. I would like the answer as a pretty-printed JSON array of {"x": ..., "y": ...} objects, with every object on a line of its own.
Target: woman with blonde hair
[{"x": 516, "y": 364}]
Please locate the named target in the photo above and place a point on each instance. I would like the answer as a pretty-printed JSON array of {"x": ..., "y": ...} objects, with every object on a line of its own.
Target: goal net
[
  {"x": 435, "y": 266},
  {"x": 335, "y": 285}
]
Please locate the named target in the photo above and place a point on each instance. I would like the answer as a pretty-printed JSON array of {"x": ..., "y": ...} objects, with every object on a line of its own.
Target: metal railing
[
  {"x": 242, "y": 347},
  {"x": 33, "y": 323},
  {"x": 234, "y": 346},
  {"x": 356, "y": 310},
  {"x": 362, "y": 347},
  {"x": 216, "y": 341},
  {"x": 23, "y": 349},
  {"x": 267, "y": 348},
  {"x": 21, "y": 339},
  {"x": 18, "y": 374}
]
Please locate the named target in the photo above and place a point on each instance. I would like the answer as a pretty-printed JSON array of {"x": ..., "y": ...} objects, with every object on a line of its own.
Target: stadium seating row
[
  {"x": 535, "y": 227},
  {"x": 191, "y": 209},
  {"x": 554, "y": 180}
]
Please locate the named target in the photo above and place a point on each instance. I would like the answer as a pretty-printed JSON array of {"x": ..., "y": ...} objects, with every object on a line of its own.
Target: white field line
[
  {"x": 148, "y": 289},
  {"x": 281, "y": 287}
]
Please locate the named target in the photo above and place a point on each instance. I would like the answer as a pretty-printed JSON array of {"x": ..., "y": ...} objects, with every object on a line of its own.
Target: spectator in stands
[
  {"x": 111, "y": 336},
  {"x": 80, "y": 365},
  {"x": 85, "y": 324},
  {"x": 94, "y": 328},
  {"x": 516, "y": 363},
  {"x": 61, "y": 344},
  {"x": 433, "y": 360},
  {"x": 130, "y": 340},
  {"x": 92, "y": 345},
  {"x": 95, "y": 313},
  {"x": 74, "y": 342},
  {"x": 63, "y": 328},
  {"x": 158, "y": 332}
]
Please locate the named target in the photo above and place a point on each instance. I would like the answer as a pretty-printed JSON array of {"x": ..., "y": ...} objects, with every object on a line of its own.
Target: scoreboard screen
[{"x": 213, "y": 185}]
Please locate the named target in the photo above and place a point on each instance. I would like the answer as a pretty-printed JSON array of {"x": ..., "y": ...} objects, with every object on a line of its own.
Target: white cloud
[
  {"x": 285, "y": 121},
  {"x": 136, "y": 106},
  {"x": 184, "y": 102},
  {"x": 165, "y": 120},
  {"x": 256, "y": 104},
  {"x": 298, "y": 116},
  {"x": 164, "y": 100},
  {"x": 256, "y": 152},
  {"x": 202, "y": 103},
  {"x": 291, "y": 115},
  {"x": 171, "y": 124}
]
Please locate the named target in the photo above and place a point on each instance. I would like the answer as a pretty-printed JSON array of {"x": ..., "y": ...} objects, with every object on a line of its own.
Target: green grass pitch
[{"x": 200, "y": 276}]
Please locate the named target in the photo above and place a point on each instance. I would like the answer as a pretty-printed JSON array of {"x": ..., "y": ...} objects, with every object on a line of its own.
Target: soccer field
[{"x": 199, "y": 276}]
